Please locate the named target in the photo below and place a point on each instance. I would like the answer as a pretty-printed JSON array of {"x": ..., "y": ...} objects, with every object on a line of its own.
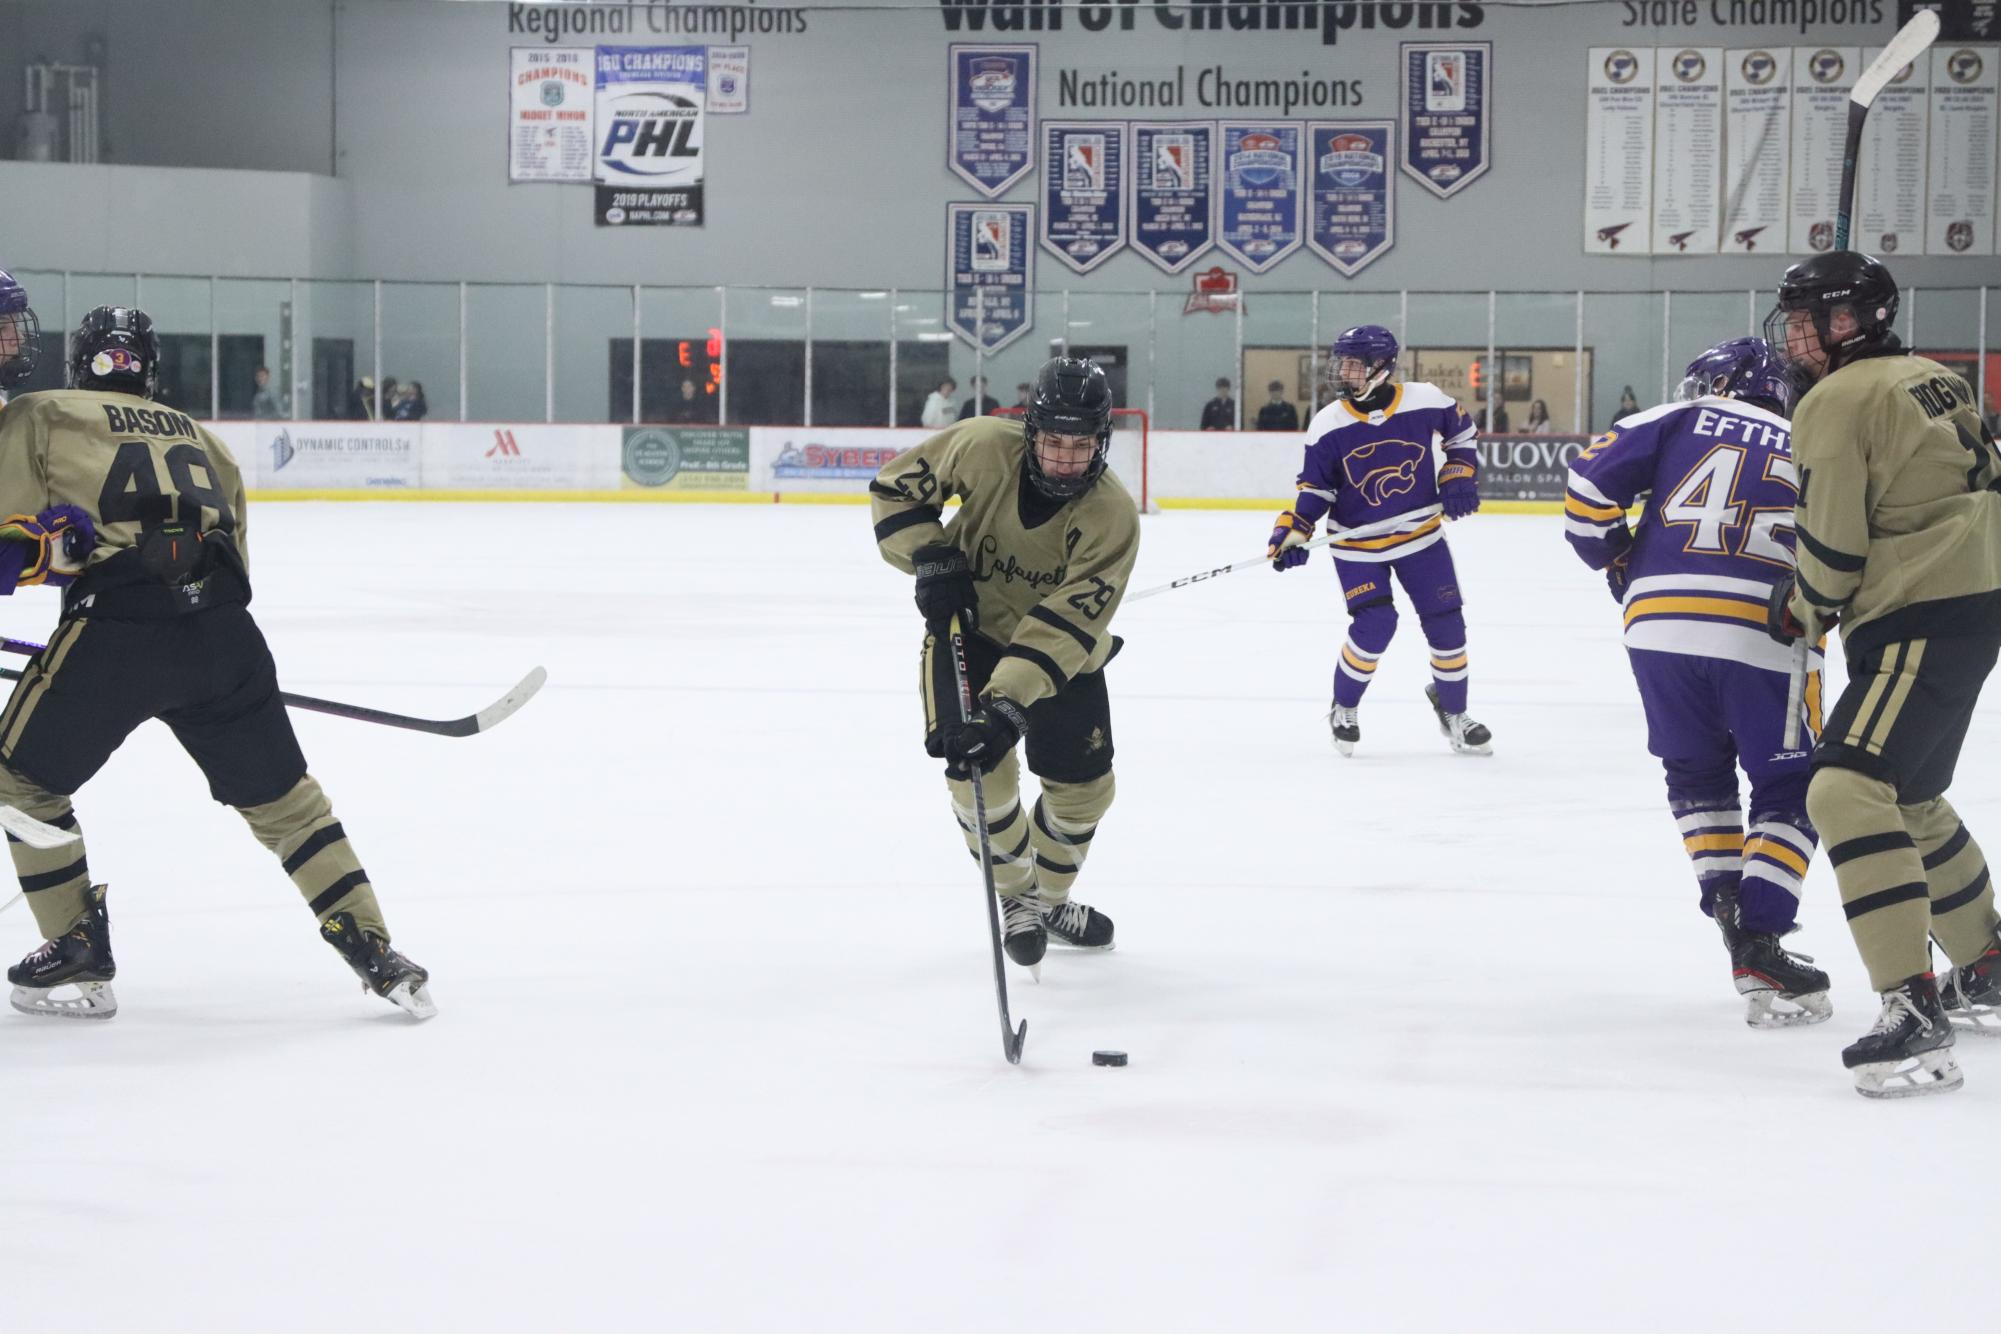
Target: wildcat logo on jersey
[
  {"x": 1622, "y": 67},
  {"x": 653, "y": 134},
  {"x": 1384, "y": 468},
  {"x": 1826, "y": 66},
  {"x": 1760, "y": 68}
]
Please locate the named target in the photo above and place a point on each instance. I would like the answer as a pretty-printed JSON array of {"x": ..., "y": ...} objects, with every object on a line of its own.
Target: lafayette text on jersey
[
  {"x": 1372, "y": 467},
  {"x": 1716, "y": 533},
  {"x": 1050, "y": 576},
  {"x": 1899, "y": 519},
  {"x": 123, "y": 460}
]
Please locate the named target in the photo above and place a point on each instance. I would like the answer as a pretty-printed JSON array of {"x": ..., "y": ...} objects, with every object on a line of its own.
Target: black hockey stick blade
[
  {"x": 1016, "y": 1043},
  {"x": 484, "y": 721}
]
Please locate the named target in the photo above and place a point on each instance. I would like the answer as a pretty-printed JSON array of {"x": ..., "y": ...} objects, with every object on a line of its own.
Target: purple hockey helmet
[{"x": 1742, "y": 368}]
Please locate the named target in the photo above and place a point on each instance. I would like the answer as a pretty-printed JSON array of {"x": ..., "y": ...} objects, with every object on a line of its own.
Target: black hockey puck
[{"x": 1108, "y": 1058}]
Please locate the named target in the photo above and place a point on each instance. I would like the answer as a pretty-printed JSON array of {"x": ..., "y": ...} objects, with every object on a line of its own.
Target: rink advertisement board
[
  {"x": 990, "y": 138},
  {"x": 1527, "y": 467},
  {"x": 505, "y": 457},
  {"x": 685, "y": 458},
  {"x": 990, "y": 272},
  {"x": 348, "y": 456},
  {"x": 806, "y": 459},
  {"x": 650, "y": 104},
  {"x": 1448, "y": 114},
  {"x": 550, "y": 105}
]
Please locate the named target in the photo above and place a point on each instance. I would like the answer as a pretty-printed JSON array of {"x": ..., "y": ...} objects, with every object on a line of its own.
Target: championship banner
[
  {"x": 1260, "y": 192},
  {"x": 1083, "y": 191},
  {"x": 1889, "y": 217},
  {"x": 649, "y": 123},
  {"x": 1619, "y": 151},
  {"x": 990, "y": 272},
  {"x": 1173, "y": 204},
  {"x": 991, "y": 144},
  {"x": 729, "y": 81},
  {"x": 549, "y": 132},
  {"x": 685, "y": 458},
  {"x": 1757, "y": 138},
  {"x": 1352, "y": 210},
  {"x": 1688, "y": 148},
  {"x": 1823, "y": 76},
  {"x": 1959, "y": 211},
  {"x": 1447, "y": 106}
]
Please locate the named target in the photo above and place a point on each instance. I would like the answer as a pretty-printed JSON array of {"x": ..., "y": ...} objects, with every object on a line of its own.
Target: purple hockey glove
[
  {"x": 1287, "y": 550},
  {"x": 49, "y": 548},
  {"x": 1459, "y": 489}
]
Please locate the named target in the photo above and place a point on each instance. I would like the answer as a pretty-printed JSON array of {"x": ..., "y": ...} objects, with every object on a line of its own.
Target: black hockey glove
[
  {"x": 1617, "y": 576},
  {"x": 1780, "y": 623},
  {"x": 983, "y": 741},
  {"x": 945, "y": 588}
]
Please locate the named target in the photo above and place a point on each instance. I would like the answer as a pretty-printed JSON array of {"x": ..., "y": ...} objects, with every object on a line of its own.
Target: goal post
[{"x": 1128, "y": 454}]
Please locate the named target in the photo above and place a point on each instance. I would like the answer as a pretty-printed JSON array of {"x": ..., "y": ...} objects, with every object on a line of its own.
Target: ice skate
[
  {"x": 1346, "y": 726},
  {"x": 1022, "y": 931},
  {"x": 1909, "y": 1051},
  {"x": 1077, "y": 925},
  {"x": 1972, "y": 995},
  {"x": 1780, "y": 989},
  {"x": 77, "y": 963},
  {"x": 1467, "y": 737},
  {"x": 381, "y": 969}
]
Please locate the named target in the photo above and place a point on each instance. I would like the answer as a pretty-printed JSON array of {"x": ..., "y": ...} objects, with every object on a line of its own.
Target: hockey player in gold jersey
[
  {"x": 140, "y": 511},
  {"x": 1899, "y": 543},
  {"x": 1033, "y": 565}
]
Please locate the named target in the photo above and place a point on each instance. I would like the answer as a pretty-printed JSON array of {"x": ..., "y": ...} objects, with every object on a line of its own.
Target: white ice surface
[{"x": 1417, "y": 1041}]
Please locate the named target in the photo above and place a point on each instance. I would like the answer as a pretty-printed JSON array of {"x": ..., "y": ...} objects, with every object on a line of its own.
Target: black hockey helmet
[
  {"x": 1072, "y": 397},
  {"x": 20, "y": 334},
  {"x": 1824, "y": 287},
  {"x": 115, "y": 348}
]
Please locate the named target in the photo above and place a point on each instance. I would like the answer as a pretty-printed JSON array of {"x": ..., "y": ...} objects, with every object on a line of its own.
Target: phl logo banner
[{"x": 650, "y": 104}]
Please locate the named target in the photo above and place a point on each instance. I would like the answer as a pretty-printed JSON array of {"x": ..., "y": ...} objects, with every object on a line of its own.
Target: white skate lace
[
  {"x": 1895, "y": 1005},
  {"x": 1340, "y": 717},
  {"x": 1019, "y": 915},
  {"x": 42, "y": 954},
  {"x": 1069, "y": 918}
]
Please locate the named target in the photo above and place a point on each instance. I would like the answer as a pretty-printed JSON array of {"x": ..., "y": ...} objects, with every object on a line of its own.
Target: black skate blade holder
[{"x": 1013, "y": 1038}]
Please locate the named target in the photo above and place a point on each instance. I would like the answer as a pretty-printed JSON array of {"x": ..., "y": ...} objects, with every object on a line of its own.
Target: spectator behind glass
[
  {"x": 1277, "y": 414},
  {"x": 1499, "y": 424},
  {"x": 1538, "y": 422},
  {"x": 411, "y": 405},
  {"x": 940, "y": 409},
  {"x": 361, "y": 402},
  {"x": 263, "y": 403},
  {"x": 1628, "y": 405},
  {"x": 1023, "y": 394},
  {"x": 981, "y": 403},
  {"x": 391, "y": 392},
  {"x": 687, "y": 405},
  {"x": 1220, "y": 412}
]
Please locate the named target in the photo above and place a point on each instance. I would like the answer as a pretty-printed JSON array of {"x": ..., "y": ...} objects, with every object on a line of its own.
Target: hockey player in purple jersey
[
  {"x": 1369, "y": 459},
  {"x": 1715, "y": 534}
]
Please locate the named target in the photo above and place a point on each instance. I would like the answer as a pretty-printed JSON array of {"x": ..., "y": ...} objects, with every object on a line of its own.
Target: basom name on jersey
[
  {"x": 1330, "y": 18},
  {"x": 148, "y": 421}
]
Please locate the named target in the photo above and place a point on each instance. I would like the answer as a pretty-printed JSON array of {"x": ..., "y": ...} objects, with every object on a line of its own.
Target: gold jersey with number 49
[{"x": 127, "y": 462}]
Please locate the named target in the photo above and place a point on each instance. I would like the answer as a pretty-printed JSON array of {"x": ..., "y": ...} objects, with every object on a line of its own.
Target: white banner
[
  {"x": 1619, "y": 151},
  {"x": 1822, "y": 78},
  {"x": 345, "y": 456},
  {"x": 549, "y": 120},
  {"x": 729, "y": 80},
  {"x": 1688, "y": 148},
  {"x": 1889, "y": 216},
  {"x": 1757, "y": 137},
  {"x": 507, "y": 457},
  {"x": 1959, "y": 216}
]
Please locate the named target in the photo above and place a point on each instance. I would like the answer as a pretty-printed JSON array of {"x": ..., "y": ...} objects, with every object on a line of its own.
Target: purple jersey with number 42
[{"x": 1716, "y": 532}]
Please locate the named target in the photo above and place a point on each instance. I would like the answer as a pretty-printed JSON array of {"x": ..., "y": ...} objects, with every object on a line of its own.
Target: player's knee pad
[
  {"x": 1444, "y": 629},
  {"x": 1844, "y": 802},
  {"x": 1078, "y": 806},
  {"x": 1694, "y": 785},
  {"x": 25, "y": 794},
  {"x": 288, "y": 819},
  {"x": 1372, "y": 624}
]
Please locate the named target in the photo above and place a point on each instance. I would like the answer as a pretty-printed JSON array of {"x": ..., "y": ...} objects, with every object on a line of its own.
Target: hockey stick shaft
[
  {"x": 1911, "y": 41},
  {"x": 1796, "y": 691},
  {"x": 1012, "y": 1039},
  {"x": 1337, "y": 535},
  {"x": 470, "y": 725}
]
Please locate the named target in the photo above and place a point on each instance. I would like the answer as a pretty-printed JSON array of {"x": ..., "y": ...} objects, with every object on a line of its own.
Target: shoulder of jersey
[
  {"x": 1739, "y": 408},
  {"x": 1649, "y": 416},
  {"x": 1423, "y": 394},
  {"x": 1114, "y": 491}
]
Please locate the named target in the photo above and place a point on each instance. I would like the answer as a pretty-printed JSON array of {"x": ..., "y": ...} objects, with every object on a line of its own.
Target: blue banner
[
  {"x": 1173, "y": 191},
  {"x": 991, "y": 144},
  {"x": 1353, "y": 210},
  {"x": 1448, "y": 118},
  {"x": 1083, "y": 191},
  {"x": 990, "y": 272},
  {"x": 1261, "y": 192}
]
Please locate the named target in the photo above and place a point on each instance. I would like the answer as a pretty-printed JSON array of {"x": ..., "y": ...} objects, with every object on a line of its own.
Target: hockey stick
[
  {"x": 1796, "y": 692},
  {"x": 1335, "y": 535},
  {"x": 471, "y": 725},
  {"x": 1012, "y": 1038},
  {"x": 1911, "y": 41}
]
